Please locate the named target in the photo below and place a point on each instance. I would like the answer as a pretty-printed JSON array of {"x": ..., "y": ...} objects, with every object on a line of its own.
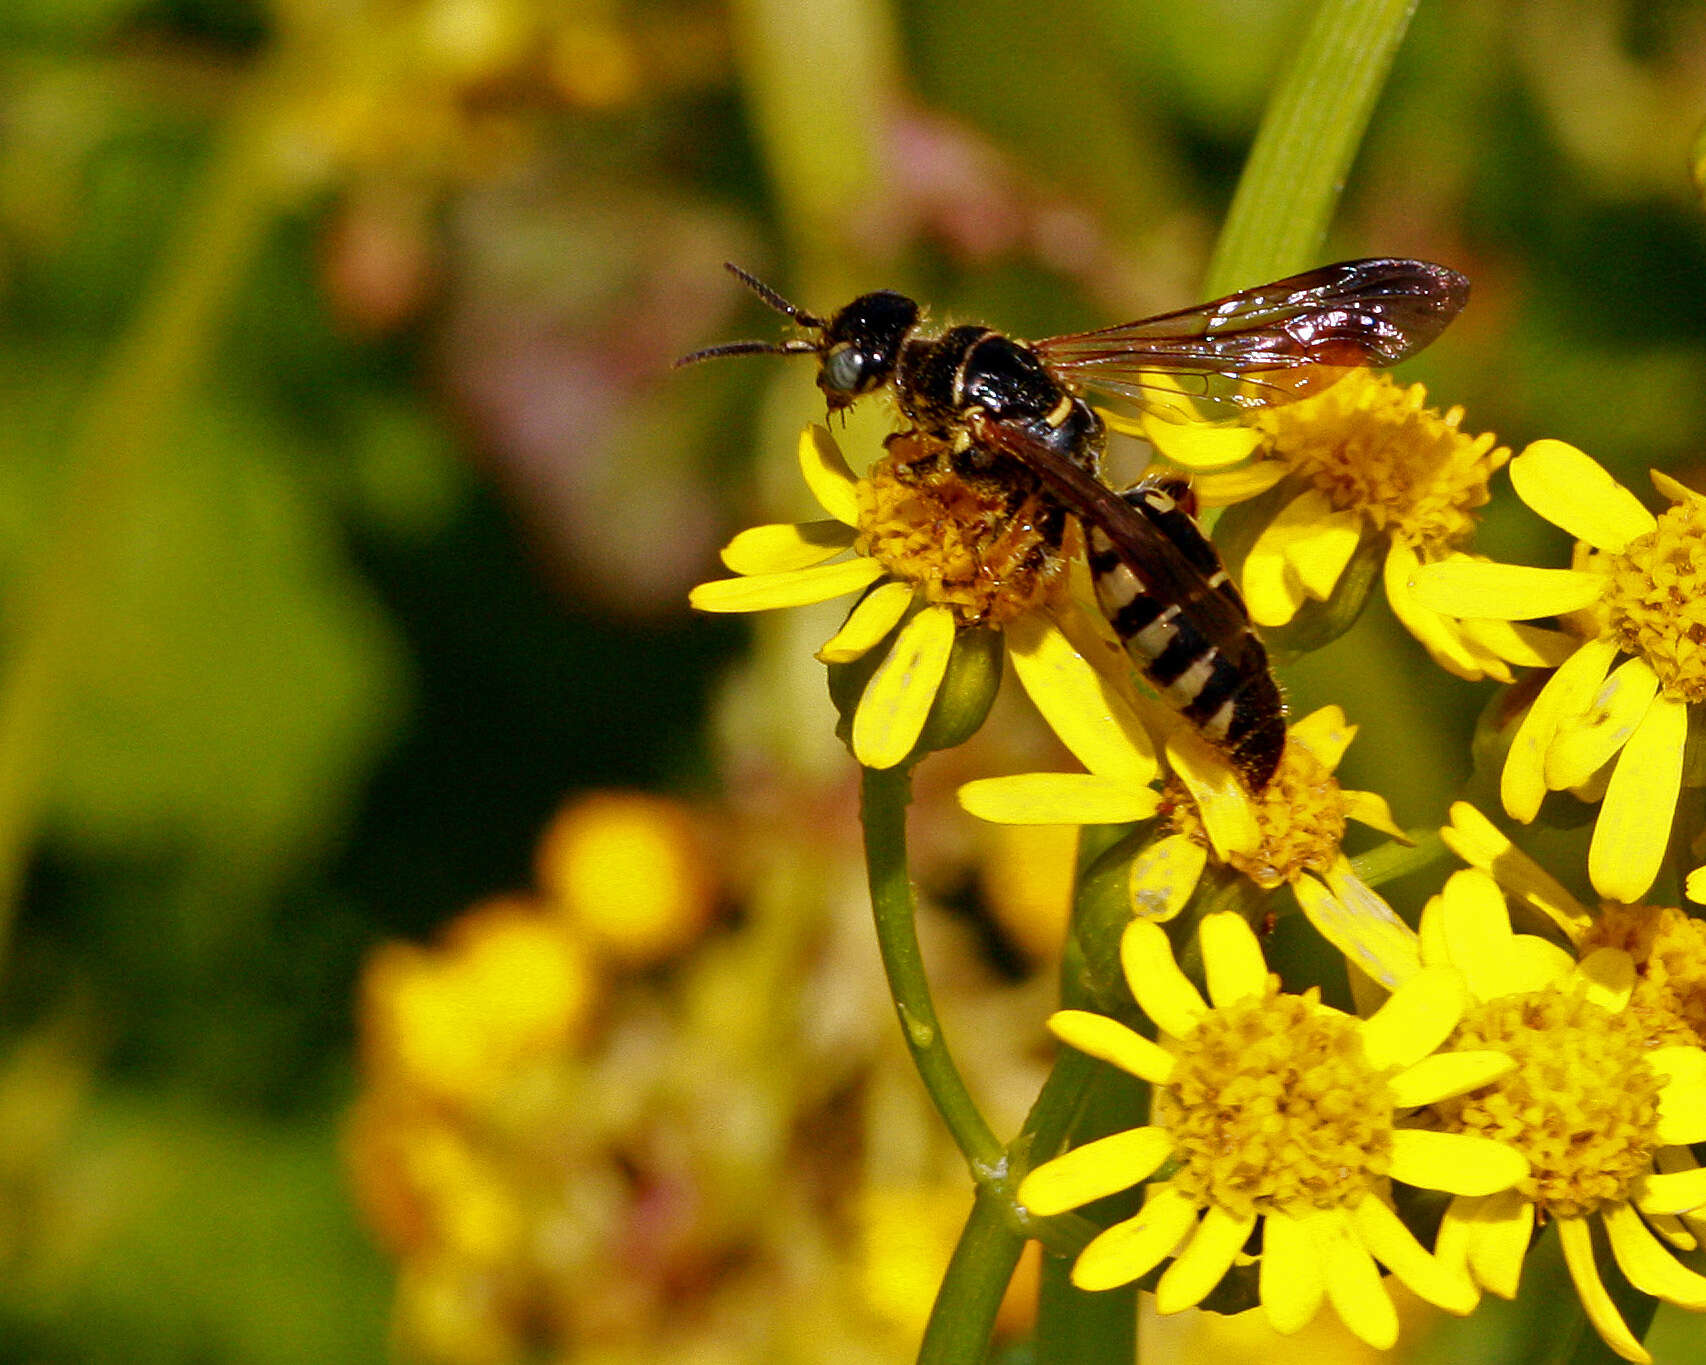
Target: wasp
[{"x": 988, "y": 398}]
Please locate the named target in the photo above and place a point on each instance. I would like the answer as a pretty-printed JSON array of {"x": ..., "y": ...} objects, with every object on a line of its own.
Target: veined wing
[{"x": 1273, "y": 344}]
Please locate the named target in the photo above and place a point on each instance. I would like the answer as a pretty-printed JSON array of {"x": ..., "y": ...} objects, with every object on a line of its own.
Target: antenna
[
  {"x": 771, "y": 297},
  {"x": 796, "y": 346}
]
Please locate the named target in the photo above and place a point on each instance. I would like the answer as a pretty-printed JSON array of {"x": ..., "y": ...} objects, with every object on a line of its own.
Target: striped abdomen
[{"x": 1186, "y": 627}]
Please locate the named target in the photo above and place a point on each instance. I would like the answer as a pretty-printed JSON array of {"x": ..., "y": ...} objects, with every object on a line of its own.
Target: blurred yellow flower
[
  {"x": 509, "y": 983},
  {"x": 1637, "y": 588},
  {"x": 1591, "y": 1104},
  {"x": 1276, "y": 1109},
  {"x": 630, "y": 871}
]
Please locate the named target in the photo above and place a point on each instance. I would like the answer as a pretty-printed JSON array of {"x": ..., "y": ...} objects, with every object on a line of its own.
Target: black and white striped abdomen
[{"x": 1184, "y": 624}]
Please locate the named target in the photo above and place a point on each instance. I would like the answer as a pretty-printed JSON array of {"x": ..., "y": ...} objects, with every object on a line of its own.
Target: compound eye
[{"x": 843, "y": 368}]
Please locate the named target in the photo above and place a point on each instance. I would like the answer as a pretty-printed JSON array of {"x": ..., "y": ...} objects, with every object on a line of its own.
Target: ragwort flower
[
  {"x": 1279, "y": 1110},
  {"x": 1637, "y": 591},
  {"x": 1600, "y": 1112},
  {"x": 1288, "y": 834},
  {"x": 933, "y": 552},
  {"x": 1366, "y": 457}
]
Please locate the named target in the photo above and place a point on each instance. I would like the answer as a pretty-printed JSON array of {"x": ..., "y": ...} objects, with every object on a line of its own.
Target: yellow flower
[
  {"x": 1365, "y": 458},
  {"x": 1637, "y": 589},
  {"x": 1601, "y": 1114},
  {"x": 510, "y": 985},
  {"x": 1274, "y": 1108},
  {"x": 1289, "y": 834},
  {"x": 631, "y": 870},
  {"x": 933, "y": 552}
]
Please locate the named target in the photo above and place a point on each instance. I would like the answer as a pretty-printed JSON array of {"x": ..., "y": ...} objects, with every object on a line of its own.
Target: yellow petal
[
  {"x": 1416, "y": 1018},
  {"x": 1136, "y": 1246},
  {"x": 1395, "y": 1247},
  {"x": 786, "y": 546},
  {"x": 1606, "y": 976},
  {"x": 1696, "y": 886},
  {"x": 1577, "y": 1241},
  {"x": 1480, "y": 843},
  {"x": 1094, "y": 1171},
  {"x": 1319, "y": 559},
  {"x": 1325, "y": 733},
  {"x": 1446, "y": 1074},
  {"x": 1586, "y": 742},
  {"x": 1674, "y": 1230},
  {"x": 1353, "y": 1282},
  {"x": 1057, "y": 799},
  {"x": 1533, "y": 963},
  {"x": 1679, "y": 1063},
  {"x": 1634, "y": 822},
  {"x": 1672, "y": 1191},
  {"x": 1575, "y": 493},
  {"x": 1271, "y": 586},
  {"x": 1682, "y": 1113},
  {"x": 1223, "y": 488},
  {"x": 1566, "y": 693},
  {"x": 1646, "y": 1264},
  {"x": 877, "y": 613},
  {"x": 1096, "y": 1035},
  {"x": 1460, "y": 586},
  {"x": 1476, "y": 930},
  {"x": 1204, "y": 1261},
  {"x": 1672, "y": 490},
  {"x": 1161, "y": 990},
  {"x": 1222, "y": 801},
  {"x": 1351, "y": 917},
  {"x": 1458, "y": 1163},
  {"x": 1370, "y": 808},
  {"x": 827, "y": 475},
  {"x": 1517, "y": 643},
  {"x": 767, "y": 591},
  {"x": 1291, "y": 1282},
  {"x": 1232, "y": 959},
  {"x": 1430, "y": 932},
  {"x": 1195, "y": 445},
  {"x": 1080, "y": 706},
  {"x": 1496, "y": 1229},
  {"x": 1442, "y": 636},
  {"x": 900, "y": 693},
  {"x": 1164, "y": 876},
  {"x": 1272, "y": 592}
]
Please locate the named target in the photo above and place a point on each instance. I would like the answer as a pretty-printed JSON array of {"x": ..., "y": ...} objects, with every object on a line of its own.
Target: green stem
[
  {"x": 1076, "y": 1327},
  {"x": 885, "y": 794},
  {"x": 820, "y": 79},
  {"x": 119, "y": 434},
  {"x": 971, "y": 1292},
  {"x": 1308, "y": 139}
]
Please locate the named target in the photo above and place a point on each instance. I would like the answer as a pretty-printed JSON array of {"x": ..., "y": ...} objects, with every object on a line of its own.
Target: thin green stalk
[
  {"x": 971, "y": 1292},
  {"x": 820, "y": 79},
  {"x": 885, "y": 795},
  {"x": 121, "y": 431},
  {"x": 1308, "y": 139}
]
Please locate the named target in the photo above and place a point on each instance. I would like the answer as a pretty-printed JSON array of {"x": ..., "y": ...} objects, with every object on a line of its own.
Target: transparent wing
[{"x": 1273, "y": 344}]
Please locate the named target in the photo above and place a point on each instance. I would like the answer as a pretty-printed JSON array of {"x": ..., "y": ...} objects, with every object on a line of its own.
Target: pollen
[
  {"x": 1275, "y": 1107},
  {"x": 1300, "y": 817},
  {"x": 1656, "y": 600},
  {"x": 1581, "y": 1105},
  {"x": 978, "y": 544},
  {"x": 1669, "y": 948},
  {"x": 1374, "y": 447}
]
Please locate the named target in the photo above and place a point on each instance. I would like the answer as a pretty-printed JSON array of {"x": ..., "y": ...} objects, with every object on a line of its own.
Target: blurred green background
[{"x": 348, "y": 503}]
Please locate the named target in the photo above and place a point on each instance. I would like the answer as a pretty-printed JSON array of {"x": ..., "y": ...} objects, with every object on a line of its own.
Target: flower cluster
[{"x": 1548, "y": 1081}]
